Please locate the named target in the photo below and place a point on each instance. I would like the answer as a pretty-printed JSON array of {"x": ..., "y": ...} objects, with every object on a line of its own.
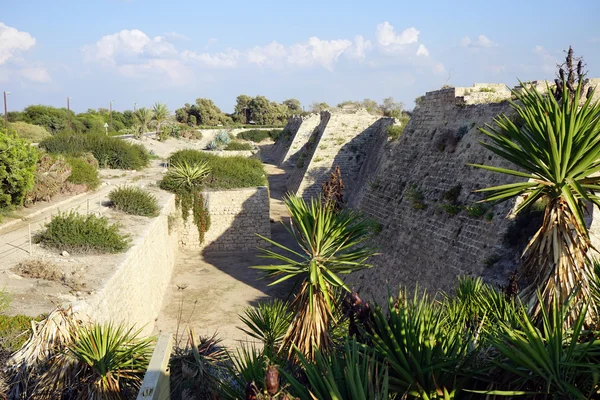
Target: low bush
[
  {"x": 222, "y": 138},
  {"x": 17, "y": 166},
  {"x": 225, "y": 172},
  {"x": 83, "y": 173},
  {"x": 51, "y": 173},
  {"x": 238, "y": 146},
  {"x": 110, "y": 152},
  {"x": 80, "y": 233},
  {"x": 134, "y": 200},
  {"x": 394, "y": 131},
  {"x": 32, "y": 133},
  {"x": 258, "y": 135}
]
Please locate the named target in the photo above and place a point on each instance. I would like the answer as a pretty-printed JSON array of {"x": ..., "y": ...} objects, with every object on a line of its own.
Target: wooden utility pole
[{"x": 5, "y": 113}]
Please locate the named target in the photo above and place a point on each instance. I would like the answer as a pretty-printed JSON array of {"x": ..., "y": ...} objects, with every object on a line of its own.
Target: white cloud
[
  {"x": 359, "y": 48},
  {"x": 175, "y": 70},
  {"x": 226, "y": 59},
  {"x": 272, "y": 55},
  {"x": 481, "y": 42},
  {"x": 317, "y": 52},
  {"x": 176, "y": 36},
  {"x": 389, "y": 40},
  {"x": 548, "y": 61},
  {"x": 422, "y": 51},
  {"x": 12, "y": 42},
  {"x": 439, "y": 68},
  {"x": 35, "y": 74},
  {"x": 127, "y": 44}
]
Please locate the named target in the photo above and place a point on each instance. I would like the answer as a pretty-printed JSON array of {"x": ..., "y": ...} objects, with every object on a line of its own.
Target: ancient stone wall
[
  {"x": 280, "y": 148},
  {"x": 346, "y": 141},
  {"x": 427, "y": 235},
  {"x": 304, "y": 128},
  {"x": 236, "y": 216},
  {"x": 134, "y": 292}
]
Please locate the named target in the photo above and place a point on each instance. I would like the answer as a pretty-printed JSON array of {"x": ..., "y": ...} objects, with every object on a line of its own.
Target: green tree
[
  {"x": 317, "y": 107},
  {"x": 143, "y": 118},
  {"x": 161, "y": 113},
  {"x": 294, "y": 107},
  {"x": 391, "y": 108},
  {"x": 555, "y": 146},
  {"x": 17, "y": 165},
  {"x": 331, "y": 244},
  {"x": 241, "y": 110},
  {"x": 370, "y": 105}
]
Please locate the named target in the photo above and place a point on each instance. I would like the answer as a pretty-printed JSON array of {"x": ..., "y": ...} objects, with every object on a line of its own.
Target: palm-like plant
[
  {"x": 161, "y": 113},
  {"x": 186, "y": 176},
  {"x": 267, "y": 322},
  {"x": 556, "y": 149},
  {"x": 331, "y": 244},
  {"x": 143, "y": 117}
]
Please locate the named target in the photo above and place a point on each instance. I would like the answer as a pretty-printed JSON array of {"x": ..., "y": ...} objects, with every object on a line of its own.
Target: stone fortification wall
[
  {"x": 301, "y": 159},
  {"x": 304, "y": 128},
  {"x": 235, "y": 218},
  {"x": 421, "y": 239},
  {"x": 280, "y": 148},
  {"x": 134, "y": 293},
  {"x": 345, "y": 141}
]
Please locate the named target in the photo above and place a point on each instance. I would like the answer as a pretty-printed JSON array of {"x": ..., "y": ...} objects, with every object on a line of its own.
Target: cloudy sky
[{"x": 143, "y": 51}]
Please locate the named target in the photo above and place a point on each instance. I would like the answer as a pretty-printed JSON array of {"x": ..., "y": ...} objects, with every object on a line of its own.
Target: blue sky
[{"x": 143, "y": 51}]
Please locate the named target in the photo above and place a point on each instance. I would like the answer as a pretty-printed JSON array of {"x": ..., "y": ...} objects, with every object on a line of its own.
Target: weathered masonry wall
[
  {"x": 346, "y": 142},
  {"x": 420, "y": 241},
  {"x": 236, "y": 217},
  {"x": 281, "y": 147},
  {"x": 133, "y": 294},
  {"x": 304, "y": 128}
]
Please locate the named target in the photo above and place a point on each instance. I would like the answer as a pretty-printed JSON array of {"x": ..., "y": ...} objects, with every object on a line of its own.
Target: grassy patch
[
  {"x": 134, "y": 200},
  {"x": 32, "y": 133},
  {"x": 394, "y": 131},
  {"x": 110, "y": 152},
  {"x": 81, "y": 233},
  {"x": 14, "y": 331},
  {"x": 225, "y": 172}
]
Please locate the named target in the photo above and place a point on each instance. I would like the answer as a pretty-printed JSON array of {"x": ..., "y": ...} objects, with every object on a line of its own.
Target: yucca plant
[
  {"x": 547, "y": 362},
  {"x": 332, "y": 244},
  {"x": 355, "y": 374},
  {"x": 556, "y": 151},
  {"x": 143, "y": 117},
  {"x": 267, "y": 322},
  {"x": 110, "y": 361},
  {"x": 424, "y": 351},
  {"x": 186, "y": 176}
]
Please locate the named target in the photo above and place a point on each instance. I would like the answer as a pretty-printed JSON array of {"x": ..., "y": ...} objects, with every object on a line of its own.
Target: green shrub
[
  {"x": 238, "y": 146},
  {"x": 225, "y": 172},
  {"x": 416, "y": 197},
  {"x": 452, "y": 194},
  {"x": 258, "y": 135},
  {"x": 75, "y": 232},
  {"x": 451, "y": 209},
  {"x": 32, "y": 133},
  {"x": 110, "y": 152},
  {"x": 394, "y": 131},
  {"x": 17, "y": 166},
  {"x": 222, "y": 138},
  {"x": 83, "y": 172},
  {"x": 134, "y": 200},
  {"x": 476, "y": 210}
]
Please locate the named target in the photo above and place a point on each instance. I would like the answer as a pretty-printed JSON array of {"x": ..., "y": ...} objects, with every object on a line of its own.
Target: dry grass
[{"x": 41, "y": 269}]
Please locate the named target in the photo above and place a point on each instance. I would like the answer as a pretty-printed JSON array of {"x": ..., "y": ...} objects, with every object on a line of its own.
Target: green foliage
[
  {"x": 110, "y": 152},
  {"x": 451, "y": 209},
  {"x": 355, "y": 373},
  {"x": 238, "y": 146},
  {"x": 222, "y": 138},
  {"x": 203, "y": 112},
  {"x": 394, "y": 131},
  {"x": 248, "y": 365},
  {"x": 17, "y": 166},
  {"x": 424, "y": 353},
  {"x": 134, "y": 200},
  {"x": 452, "y": 194},
  {"x": 29, "y": 132},
  {"x": 416, "y": 197},
  {"x": 83, "y": 172},
  {"x": 111, "y": 361},
  {"x": 332, "y": 244},
  {"x": 487, "y": 90},
  {"x": 225, "y": 172},
  {"x": 476, "y": 210},
  {"x": 258, "y": 135},
  {"x": 80, "y": 233},
  {"x": 267, "y": 322}
]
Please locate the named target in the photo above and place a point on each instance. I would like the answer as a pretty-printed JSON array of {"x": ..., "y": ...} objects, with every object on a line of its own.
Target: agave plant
[
  {"x": 546, "y": 361},
  {"x": 332, "y": 244},
  {"x": 184, "y": 176},
  {"x": 267, "y": 322},
  {"x": 556, "y": 151},
  {"x": 355, "y": 374}
]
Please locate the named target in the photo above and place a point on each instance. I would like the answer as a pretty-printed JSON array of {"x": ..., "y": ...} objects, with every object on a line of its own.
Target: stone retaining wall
[{"x": 236, "y": 217}]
